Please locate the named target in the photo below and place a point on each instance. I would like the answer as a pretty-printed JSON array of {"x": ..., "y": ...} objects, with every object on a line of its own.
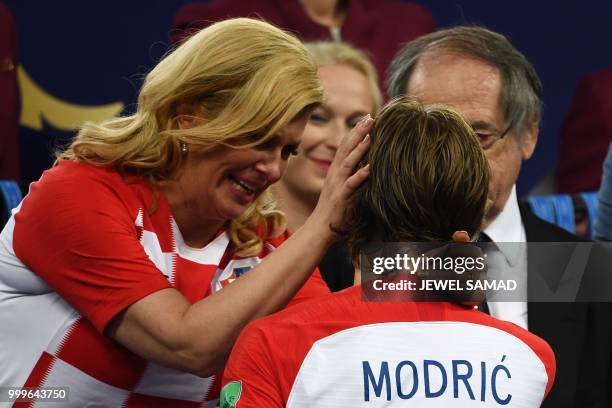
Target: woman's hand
[{"x": 342, "y": 180}]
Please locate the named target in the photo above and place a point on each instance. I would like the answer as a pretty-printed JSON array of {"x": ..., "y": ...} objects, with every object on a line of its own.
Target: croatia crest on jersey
[
  {"x": 230, "y": 394},
  {"x": 235, "y": 269}
]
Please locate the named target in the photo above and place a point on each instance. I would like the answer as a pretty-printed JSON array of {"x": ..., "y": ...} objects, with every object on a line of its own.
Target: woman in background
[
  {"x": 379, "y": 27},
  {"x": 351, "y": 91}
]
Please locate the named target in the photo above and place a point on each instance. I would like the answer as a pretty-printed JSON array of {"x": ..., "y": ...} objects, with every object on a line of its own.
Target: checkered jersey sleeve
[{"x": 76, "y": 230}]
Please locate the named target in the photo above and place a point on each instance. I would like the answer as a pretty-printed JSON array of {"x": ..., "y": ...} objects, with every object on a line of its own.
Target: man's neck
[
  {"x": 506, "y": 226},
  {"x": 357, "y": 278}
]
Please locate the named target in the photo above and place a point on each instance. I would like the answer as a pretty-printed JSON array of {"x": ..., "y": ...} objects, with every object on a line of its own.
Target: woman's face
[
  {"x": 218, "y": 183},
  {"x": 348, "y": 97}
]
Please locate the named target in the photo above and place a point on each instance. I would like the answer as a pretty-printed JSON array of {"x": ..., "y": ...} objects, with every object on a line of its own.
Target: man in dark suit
[{"x": 482, "y": 76}]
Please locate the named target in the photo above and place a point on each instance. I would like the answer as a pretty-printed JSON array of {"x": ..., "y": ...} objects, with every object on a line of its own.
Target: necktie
[
  {"x": 484, "y": 307},
  {"x": 483, "y": 237}
]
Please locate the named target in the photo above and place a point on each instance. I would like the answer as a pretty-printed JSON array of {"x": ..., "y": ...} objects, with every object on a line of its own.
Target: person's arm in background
[
  {"x": 586, "y": 133},
  {"x": 603, "y": 224}
]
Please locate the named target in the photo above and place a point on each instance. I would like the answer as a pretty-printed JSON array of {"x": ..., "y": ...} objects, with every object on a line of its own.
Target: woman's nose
[
  {"x": 271, "y": 166},
  {"x": 336, "y": 134}
]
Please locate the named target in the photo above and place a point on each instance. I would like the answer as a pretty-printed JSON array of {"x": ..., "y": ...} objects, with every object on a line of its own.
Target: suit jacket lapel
[{"x": 562, "y": 325}]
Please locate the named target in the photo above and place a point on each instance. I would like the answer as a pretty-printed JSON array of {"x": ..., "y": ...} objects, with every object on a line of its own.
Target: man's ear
[
  {"x": 529, "y": 140},
  {"x": 189, "y": 115}
]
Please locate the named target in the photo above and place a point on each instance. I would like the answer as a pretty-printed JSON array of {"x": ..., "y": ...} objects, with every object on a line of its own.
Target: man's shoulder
[
  {"x": 318, "y": 318},
  {"x": 539, "y": 230},
  {"x": 327, "y": 307},
  {"x": 299, "y": 326},
  {"x": 534, "y": 342}
]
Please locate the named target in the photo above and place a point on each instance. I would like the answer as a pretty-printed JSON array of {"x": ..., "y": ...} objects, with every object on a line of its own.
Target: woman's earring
[{"x": 184, "y": 148}]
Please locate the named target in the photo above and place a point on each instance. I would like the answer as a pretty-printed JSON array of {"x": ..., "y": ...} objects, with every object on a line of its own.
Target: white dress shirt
[{"x": 508, "y": 227}]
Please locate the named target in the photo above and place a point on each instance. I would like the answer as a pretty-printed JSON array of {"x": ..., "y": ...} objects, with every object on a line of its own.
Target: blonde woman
[
  {"x": 350, "y": 87},
  {"x": 113, "y": 265}
]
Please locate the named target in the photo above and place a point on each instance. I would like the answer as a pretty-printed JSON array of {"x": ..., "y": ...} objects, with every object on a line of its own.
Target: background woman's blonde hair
[
  {"x": 428, "y": 178},
  {"x": 333, "y": 53},
  {"x": 250, "y": 78}
]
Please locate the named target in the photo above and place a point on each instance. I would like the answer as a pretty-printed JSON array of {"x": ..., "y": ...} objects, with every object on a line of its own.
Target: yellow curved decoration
[{"x": 36, "y": 104}]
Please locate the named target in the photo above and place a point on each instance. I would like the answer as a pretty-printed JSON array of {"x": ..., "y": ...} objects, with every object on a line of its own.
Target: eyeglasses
[{"x": 488, "y": 136}]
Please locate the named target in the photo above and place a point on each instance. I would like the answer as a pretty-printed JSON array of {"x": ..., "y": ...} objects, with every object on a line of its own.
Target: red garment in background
[
  {"x": 9, "y": 97},
  {"x": 586, "y": 134},
  {"x": 378, "y": 27},
  {"x": 92, "y": 249}
]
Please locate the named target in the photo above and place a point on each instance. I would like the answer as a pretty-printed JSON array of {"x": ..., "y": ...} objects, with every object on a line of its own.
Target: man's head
[
  {"x": 428, "y": 178},
  {"x": 482, "y": 76}
]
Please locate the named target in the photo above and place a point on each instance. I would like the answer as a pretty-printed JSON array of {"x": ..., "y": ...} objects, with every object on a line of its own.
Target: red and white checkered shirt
[{"x": 80, "y": 249}]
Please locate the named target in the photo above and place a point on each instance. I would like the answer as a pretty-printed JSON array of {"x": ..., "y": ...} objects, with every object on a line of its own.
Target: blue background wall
[{"x": 96, "y": 52}]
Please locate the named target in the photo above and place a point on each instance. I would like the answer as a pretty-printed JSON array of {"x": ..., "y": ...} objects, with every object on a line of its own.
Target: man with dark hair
[
  {"x": 342, "y": 351},
  {"x": 481, "y": 75}
]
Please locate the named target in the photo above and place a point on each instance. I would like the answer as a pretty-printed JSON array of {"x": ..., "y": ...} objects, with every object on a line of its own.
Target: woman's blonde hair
[
  {"x": 335, "y": 53},
  {"x": 250, "y": 79}
]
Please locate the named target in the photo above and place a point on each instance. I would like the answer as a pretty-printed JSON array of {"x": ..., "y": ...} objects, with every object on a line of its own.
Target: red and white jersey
[
  {"x": 80, "y": 249},
  {"x": 340, "y": 351}
]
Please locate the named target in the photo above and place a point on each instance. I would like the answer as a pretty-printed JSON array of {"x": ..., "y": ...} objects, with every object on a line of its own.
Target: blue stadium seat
[
  {"x": 561, "y": 209},
  {"x": 11, "y": 197}
]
